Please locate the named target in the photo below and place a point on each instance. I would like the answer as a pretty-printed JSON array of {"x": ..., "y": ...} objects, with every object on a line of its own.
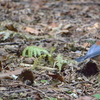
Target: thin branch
[{"x": 10, "y": 43}]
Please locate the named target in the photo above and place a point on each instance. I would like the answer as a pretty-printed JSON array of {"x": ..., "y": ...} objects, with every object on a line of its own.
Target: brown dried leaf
[
  {"x": 97, "y": 25},
  {"x": 27, "y": 76},
  {"x": 53, "y": 25},
  {"x": 31, "y": 30},
  {"x": 56, "y": 76},
  {"x": 86, "y": 45},
  {"x": 11, "y": 27}
]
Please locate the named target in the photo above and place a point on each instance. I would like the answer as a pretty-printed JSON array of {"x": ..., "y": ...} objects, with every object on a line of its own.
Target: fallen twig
[{"x": 10, "y": 43}]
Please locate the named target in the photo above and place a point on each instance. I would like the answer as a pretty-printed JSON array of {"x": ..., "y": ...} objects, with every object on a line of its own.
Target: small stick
[{"x": 10, "y": 43}]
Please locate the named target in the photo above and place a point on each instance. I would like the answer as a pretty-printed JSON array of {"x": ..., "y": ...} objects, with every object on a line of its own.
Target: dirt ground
[{"x": 39, "y": 42}]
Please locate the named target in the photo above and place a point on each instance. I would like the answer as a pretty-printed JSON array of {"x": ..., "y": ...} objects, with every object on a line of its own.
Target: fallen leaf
[
  {"x": 27, "y": 76},
  {"x": 53, "y": 25},
  {"x": 11, "y": 27},
  {"x": 56, "y": 76},
  {"x": 97, "y": 25},
  {"x": 86, "y": 45},
  {"x": 90, "y": 69},
  {"x": 31, "y": 30}
]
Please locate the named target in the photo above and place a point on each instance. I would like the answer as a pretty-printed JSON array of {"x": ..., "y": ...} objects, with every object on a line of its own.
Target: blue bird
[{"x": 93, "y": 52}]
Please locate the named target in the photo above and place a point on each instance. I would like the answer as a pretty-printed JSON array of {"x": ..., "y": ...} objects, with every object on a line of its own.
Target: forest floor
[{"x": 39, "y": 42}]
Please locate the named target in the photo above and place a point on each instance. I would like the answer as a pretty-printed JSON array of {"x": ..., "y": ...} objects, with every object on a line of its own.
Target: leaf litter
[{"x": 63, "y": 29}]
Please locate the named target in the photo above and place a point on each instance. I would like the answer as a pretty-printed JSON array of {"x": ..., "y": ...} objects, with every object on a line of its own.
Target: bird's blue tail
[{"x": 81, "y": 58}]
